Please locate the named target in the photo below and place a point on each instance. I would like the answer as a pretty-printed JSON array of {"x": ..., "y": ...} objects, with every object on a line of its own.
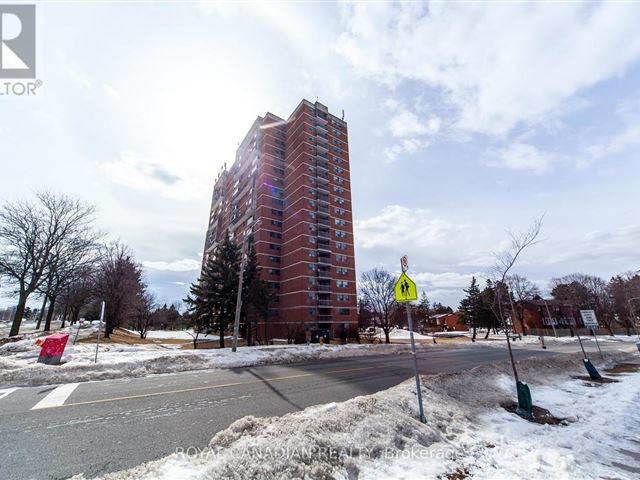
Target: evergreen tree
[
  {"x": 471, "y": 307},
  {"x": 212, "y": 299},
  {"x": 424, "y": 310}
]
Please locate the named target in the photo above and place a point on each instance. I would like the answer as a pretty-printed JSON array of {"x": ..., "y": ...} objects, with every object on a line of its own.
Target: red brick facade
[{"x": 290, "y": 184}]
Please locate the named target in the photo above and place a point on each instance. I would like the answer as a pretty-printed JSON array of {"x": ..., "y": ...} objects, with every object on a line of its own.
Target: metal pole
[
  {"x": 553, "y": 323},
  {"x": 596, "y": 337},
  {"x": 580, "y": 340},
  {"x": 77, "y": 332},
  {"x": 95, "y": 360},
  {"x": 236, "y": 322},
  {"x": 415, "y": 364}
]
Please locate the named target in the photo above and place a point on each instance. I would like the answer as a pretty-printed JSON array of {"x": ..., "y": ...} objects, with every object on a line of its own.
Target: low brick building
[
  {"x": 449, "y": 322},
  {"x": 545, "y": 314}
]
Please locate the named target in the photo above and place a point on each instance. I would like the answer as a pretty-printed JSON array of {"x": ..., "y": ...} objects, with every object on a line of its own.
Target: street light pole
[{"x": 236, "y": 322}]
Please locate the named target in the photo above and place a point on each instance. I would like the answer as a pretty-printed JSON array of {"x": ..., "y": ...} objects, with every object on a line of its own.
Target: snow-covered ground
[
  {"x": 467, "y": 432},
  {"x": 178, "y": 335},
  {"x": 19, "y": 367},
  {"x": 401, "y": 334}
]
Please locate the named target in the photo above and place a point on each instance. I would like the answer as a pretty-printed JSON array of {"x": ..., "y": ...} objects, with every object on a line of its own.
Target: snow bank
[
  {"x": 19, "y": 367},
  {"x": 401, "y": 334},
  {"x": 378, "y": 436}
]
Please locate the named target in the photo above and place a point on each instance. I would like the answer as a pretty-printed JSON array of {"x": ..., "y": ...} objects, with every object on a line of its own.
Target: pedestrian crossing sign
[{"x": 405, "y": 289}]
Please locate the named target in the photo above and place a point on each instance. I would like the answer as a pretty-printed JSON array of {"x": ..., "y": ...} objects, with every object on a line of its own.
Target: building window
[
  {"x": 312, "y": 311},
  {"x": 276, "y": 223},
  {"x": 277, "y": 202},
  {"x": 312, "y": 281},
  {"x": 339, "y": 211},
  {"x": 343, "y": 298},
  {"x": 273, "y": 246},
  {"x": 341, "y": 246},
  {"x": 342, "y": 270},
  {"x": 312, "y": 240},
  {"x": 274, "y": 259},
  {"x": 277, "y": 213},
  {"x": 312, "y": 253},
  {"x": 341, "y": 258},
  {"x": 274, "y": 271},
  {"x": 342, "y": 284},
  {"x": 340, "y": 222},
  {"x": 312, "y": 296},
  {"x": 343, "y": 311},
  {"x": 275, "y": 235},
  {"x": 341, "y": 234}
]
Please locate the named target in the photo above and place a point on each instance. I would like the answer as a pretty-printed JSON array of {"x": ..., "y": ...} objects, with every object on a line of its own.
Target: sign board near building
[{"x": 589, "y": 318}]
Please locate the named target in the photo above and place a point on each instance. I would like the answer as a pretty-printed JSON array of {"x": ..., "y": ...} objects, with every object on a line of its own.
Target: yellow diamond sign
[{"x": 405, "y": 289}]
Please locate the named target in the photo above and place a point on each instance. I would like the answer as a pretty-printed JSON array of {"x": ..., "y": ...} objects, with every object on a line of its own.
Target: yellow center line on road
[{"x": 208, "y": 387}]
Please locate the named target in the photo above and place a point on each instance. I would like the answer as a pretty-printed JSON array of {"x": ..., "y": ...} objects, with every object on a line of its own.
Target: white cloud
[
  {"x": 184, "y": 265},
  {"x": 618, "y": 247},
  {"x": 149, "y": 173},
  {"x": 499, "y": 64},
  {"x": 408, "y": 124},
  {"x": 520, "y": 156},
  {"x": 407, "y": 146},
  {"x": 396, "y": 226},
  {"x": 612, "y": 145}
]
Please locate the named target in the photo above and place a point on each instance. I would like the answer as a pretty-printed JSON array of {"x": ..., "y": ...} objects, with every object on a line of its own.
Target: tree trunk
[
  {"x": 64, "y": 316},
  {"x": 221, "y": 337},
  {"x": 473, "y": 336},
  {"x": 488, "y": 332},
  {"x": 44, "y": 306},
  {"x": 386, "y": 335},
  {"x": 17, "y": 317},
  {"x": 52, "y": 304}
]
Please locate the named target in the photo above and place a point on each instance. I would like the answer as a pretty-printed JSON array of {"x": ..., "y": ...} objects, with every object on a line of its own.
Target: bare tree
[
  {"x": 31, "y": 235},
  {"x": 377, "y": 290},
  {"x": 118, "y": 284},
  {"x": 505, "y": 261},
  {"x": 143, "y": 318}
]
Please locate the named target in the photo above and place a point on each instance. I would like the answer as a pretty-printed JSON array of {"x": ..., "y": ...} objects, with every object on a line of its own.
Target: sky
[{"x": 466, "y": 121}]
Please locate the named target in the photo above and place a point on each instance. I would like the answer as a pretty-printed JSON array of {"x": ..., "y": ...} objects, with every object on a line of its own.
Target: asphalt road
[{"x": 108, "y": 426}]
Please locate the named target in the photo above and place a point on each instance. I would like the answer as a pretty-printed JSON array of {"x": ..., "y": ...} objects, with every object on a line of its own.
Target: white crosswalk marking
[
  {"x": 57, "y": 397},
  {"x": 6, "y": 392}
]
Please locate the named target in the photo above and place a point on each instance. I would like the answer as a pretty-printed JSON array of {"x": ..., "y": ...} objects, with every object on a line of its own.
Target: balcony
[
  {"x": 322, "y": 177},
  {"x": 324, "y": 233},
  {"x": 321, "y": 121},
  {"x": 324, "y": 318},
  {"x": 324, "y": 273},
  {"x": 323, "y": 221},
  {"x": 325, "y": 260},
  {"x": 324, "y": 288},
  {"x": 321, "y": 149},
  {"x": 321, "y": 138},
  {"x": 323, "y": 198},
  {"x": 324, "y": 303},
  {"x": 323, "y": 210},
  {"x": 322, "y": 189},
  {"x": 320, "y": 129}
]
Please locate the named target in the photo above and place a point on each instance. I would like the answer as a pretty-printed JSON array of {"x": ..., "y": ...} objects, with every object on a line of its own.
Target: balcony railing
[
  {"x": 325, "y": 260},
  {"x": 323, "y": 221},
  {"x": 324, "y": 303},
  {"x": 324, "y": 288}
]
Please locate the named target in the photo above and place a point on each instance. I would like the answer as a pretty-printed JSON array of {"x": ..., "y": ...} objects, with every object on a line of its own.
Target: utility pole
[
  {"x": 99, "y": 325},
  {"x": 236, "y": 322}
]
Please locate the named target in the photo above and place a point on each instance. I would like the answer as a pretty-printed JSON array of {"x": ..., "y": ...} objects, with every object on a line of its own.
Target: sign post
[
  {"x": 591, "y": 322},
  {"x": 99, "y": 325},
  {"x": 406, "y": 292}
]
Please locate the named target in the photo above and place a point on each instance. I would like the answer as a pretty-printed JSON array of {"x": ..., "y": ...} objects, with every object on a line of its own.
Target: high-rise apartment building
[{"x": 289, "y": 194}]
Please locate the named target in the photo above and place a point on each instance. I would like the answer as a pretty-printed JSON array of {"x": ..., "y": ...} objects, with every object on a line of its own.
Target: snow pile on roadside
[
  {"x": 378, "y": 436},
  {"x": 19, "y": 367},
  {"x": 401, "y": 334}
]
